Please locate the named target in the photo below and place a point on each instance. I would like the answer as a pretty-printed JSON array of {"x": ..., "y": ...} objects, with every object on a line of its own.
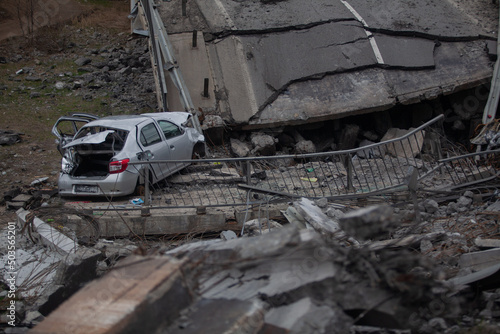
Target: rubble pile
[
  {"x": 107, "y": 71},
  {"x": 333, "y": 269}
]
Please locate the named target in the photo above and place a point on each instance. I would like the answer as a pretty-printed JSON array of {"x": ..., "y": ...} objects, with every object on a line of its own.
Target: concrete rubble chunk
[
  {"x": 305, "y": 147},
  {"x": 132, "y": 298},
  {"x": 409, "y": 147},
  {"x": 368, "y": 223},
  {"x": 316, "y": 218},
  {"x": 263, "y": 144},
  {"x": 239, "y": 317},
  {"x": 487, "y": 243},
  {"x": 260, "y": 226},
  {"x": 480, "y": 260},
  {"x": 239, "y": 148},
  {"x": 228, "y": 235},
  {"x": 303, "y": 317}
]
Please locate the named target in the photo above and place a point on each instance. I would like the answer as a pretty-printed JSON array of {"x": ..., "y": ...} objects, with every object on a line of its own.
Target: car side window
[
  {"x": 150, "y": 135},
  {"x": 170, "y": 130}
]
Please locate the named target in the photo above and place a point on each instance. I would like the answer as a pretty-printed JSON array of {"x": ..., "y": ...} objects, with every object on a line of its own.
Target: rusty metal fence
[{"x": 375, "y": 169}]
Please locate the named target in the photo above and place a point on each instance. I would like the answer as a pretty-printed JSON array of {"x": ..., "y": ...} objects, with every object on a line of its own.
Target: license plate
[{"x": 83, "y": 188}]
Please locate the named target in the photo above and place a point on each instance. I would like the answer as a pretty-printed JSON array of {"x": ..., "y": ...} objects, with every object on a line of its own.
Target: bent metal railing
[{"x": 375, "y": 169}]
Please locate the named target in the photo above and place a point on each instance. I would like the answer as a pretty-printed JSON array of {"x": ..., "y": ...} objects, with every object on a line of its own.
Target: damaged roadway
[{"x": 350, "y": 57}]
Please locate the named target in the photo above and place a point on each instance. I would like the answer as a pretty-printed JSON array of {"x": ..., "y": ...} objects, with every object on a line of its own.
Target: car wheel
[{"x": 198, "y": 151}]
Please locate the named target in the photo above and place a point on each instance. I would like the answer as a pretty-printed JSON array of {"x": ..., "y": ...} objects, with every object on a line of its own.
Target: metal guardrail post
[
  {"x": 349, "y": 167},
  {"x": 145, "y": 211},
  {"x": 247, "y": 172}
]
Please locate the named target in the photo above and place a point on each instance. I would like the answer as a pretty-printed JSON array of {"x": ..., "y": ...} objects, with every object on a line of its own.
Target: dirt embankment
[
  {"x": 31, "y": 67},
  {"x": 16, "y": 20}
]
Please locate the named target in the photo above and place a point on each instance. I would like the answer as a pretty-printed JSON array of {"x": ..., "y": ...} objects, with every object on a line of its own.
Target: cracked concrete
[{"x": 290, "y": 62}]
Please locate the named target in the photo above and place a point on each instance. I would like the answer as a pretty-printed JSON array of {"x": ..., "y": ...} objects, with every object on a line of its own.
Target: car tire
[{"x": 198, "y": 151}]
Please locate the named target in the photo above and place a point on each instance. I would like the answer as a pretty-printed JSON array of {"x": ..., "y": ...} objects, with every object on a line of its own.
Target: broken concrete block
[
  {"x": 263, "y": 144},
  {"x": 239, "y": 148},
  {"x": 464, "y": 203},
  {"x": 408, "y": 147},
  {"x": 228, "y": 235},
  {"x": 74, "y": 271},
  {"x": 316, "y": 218},
  {"x": 305, "y": 147},
  {"x": 215, "y": 316},
  {"x": 429, "y": 206},
  {"x": 480, "y": 260},
  {"x": 141, "y": 295},
  {"x": 368, "y": 223},
  {"x": 304, "y": 317},
  {"x": 294, "y": 218},
  {"x": 487, "y": 243},
  {"x": 260, "y": 226}
]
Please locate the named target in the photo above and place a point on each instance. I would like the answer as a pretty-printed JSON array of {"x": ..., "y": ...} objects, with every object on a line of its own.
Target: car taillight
[{"x": 118, "y": 166}]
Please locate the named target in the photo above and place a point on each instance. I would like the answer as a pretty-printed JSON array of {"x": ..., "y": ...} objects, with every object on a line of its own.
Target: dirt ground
[{"x": 70, "y": 31}]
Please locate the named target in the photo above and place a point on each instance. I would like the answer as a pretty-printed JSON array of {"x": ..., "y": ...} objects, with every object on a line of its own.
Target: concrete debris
[
  {"x": 239, "y": 148},
  {"x": 263, "y": 144},
  {"x": 304, "y": 316},
  {"x": 288, "y": 281},
  {"x": 334, "y": 269},
  {"x": 239, "y": 317},
  {"x": 228, "y": 235},
  {"x": 260, "y": 226},
  {"x": 485, "y": 279},
  {"x": 317, "y": 219},
  {"x": 487, "y": 243},
  {"x": 49, "y": 268},
  {"x": 410, "y": 147},
  {"x": 305, "y": 147},
  {"x": 480, "y": 260},
  {"x": 368, "y": 223}
]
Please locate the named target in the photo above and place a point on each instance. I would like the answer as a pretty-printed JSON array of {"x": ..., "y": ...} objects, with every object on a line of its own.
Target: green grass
[{"x": 36, "y": 115}]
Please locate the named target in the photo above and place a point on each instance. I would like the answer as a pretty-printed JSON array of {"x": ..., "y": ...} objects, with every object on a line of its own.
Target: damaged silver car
[{"x": 98, "y": 159}]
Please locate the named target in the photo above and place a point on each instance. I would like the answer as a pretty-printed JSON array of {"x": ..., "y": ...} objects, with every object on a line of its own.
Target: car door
[
  {"x": 66, "y": 127},
  {"x": 180, "y": 146},
  {"x": 151, "y": 140}
]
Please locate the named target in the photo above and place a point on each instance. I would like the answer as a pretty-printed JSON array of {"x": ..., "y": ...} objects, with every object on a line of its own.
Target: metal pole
[{"x": 147, "y": 196}]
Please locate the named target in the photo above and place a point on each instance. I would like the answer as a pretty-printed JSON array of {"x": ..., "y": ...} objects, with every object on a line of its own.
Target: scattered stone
[
  {"x": 60, "y": 85},
  {"x": 373, "y": 222},
  {"x": 239, "y": 148},
  {"x": 305, "y": 147},
  {"x": 228, "y": 235},
  {"x": 263, "y": 144},
  {"x": 429, "y": 206},
  {"x": 83, "y": 61}
]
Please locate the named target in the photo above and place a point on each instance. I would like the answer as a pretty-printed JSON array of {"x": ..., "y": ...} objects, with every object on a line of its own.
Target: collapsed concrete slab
[
  {"x": 286, "y": 280},
  {"x": 141, "y": 295},
  {"x": 284, "y": 63}
]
